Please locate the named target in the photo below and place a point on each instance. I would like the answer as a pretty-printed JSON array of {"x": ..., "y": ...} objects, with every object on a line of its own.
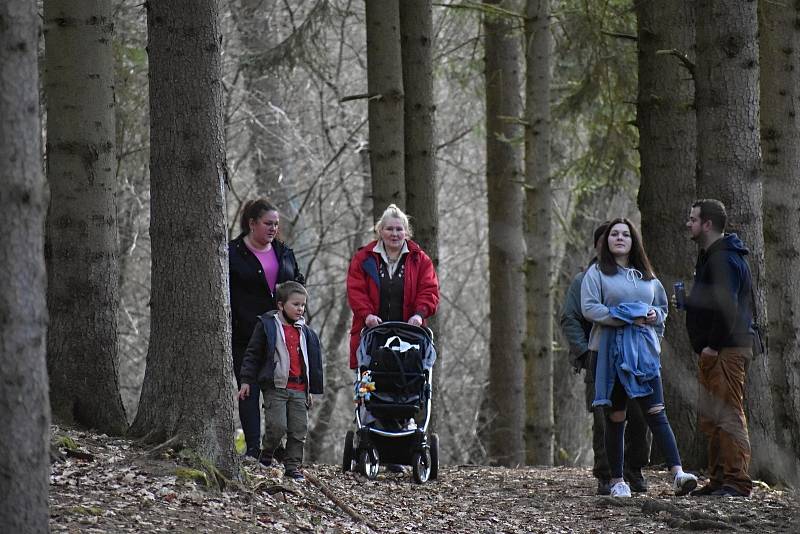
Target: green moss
[
  {"x": 67, "y": 442},
  {"x": 196, "y": 475},
  {"x": 86, "y": 510},
  {"x": 212, "y": 477}
]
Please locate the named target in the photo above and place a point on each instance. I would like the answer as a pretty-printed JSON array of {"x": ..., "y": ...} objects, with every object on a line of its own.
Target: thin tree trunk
[
  {"x": 188, "y": 385},
  {"x": 667, "y": 141},
  {"x": 337, "y": 377},
  {"x": 385, "y": 86},
  {"x": 24, "y": 402},
  {"x": 780, "y": 141},
  {"x": 727, "y": 102},
  {"x": 506, "y": 399},
  {"x": 82, "y": 243},
  {"x": 540, "y": 426},
  {"x": 319, "y": 441},
  {"x": 266, "y": 150},
  {"x": 422, "y": 187}
]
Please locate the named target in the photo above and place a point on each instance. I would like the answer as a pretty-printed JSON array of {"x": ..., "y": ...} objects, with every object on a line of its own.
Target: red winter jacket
[{"x": 420, "y": 288}]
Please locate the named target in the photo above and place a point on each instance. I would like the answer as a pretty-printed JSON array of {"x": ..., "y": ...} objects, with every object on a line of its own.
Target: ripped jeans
[{"x": 654, "y": 413}]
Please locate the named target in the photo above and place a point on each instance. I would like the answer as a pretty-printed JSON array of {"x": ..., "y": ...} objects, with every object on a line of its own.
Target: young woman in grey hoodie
[{"x": 623, "y": 280}]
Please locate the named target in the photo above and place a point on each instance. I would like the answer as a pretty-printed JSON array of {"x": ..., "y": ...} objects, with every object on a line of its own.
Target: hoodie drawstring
[{"x": 633, "y": 275}]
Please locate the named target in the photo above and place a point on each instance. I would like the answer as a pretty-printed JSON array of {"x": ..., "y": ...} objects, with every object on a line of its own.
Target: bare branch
[{"x": 687, "y": 63}]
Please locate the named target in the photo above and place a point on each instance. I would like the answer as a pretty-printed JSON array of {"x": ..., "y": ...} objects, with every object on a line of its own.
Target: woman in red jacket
[{"x": 390, "y": 279}]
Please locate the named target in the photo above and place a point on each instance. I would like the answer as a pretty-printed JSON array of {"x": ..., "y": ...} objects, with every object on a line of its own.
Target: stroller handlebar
[{"x": 399, "y": 325}]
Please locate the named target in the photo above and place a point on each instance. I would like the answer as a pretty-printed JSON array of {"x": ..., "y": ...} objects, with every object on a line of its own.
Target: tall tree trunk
[
  {"x": 24, "y": 403},
  {"x": 188, "y": 385},
  {"x": 727, "y": 102},
  {"x": 385, "y": 86},
  {"x": 667, "y": 140},
  {"x": 422, "y": 187},
  {"x": 780, "y": 141},
  {"x": 540, "y": 426},
  {"x": 82, "y": 247},
  {"x": 506, "y": 399}
]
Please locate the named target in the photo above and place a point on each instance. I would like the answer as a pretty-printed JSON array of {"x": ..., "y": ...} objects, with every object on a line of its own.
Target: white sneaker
[
  {"x": 620, "y": 489},
  {"x": 684, "y": 483}
]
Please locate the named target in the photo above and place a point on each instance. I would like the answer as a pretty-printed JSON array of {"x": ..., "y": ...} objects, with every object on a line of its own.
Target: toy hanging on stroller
[{"x": 393, "y": 402}]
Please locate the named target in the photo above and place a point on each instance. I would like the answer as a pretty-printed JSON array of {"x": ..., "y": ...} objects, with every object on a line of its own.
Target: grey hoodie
[{"x": 599, "y": 292}]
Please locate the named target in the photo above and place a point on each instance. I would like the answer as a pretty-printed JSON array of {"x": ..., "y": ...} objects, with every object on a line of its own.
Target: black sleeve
[
  {"x": 298, "y": 276},
  {"x": 255, "y": 356}
]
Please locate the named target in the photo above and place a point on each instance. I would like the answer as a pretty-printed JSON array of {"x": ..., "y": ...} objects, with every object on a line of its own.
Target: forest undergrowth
[{"x": 105, "y": 484}]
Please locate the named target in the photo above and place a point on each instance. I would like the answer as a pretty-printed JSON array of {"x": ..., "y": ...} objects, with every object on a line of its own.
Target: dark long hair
[
  {"x": 638, "y": 257},
  {"x": 253, "y": 209}
]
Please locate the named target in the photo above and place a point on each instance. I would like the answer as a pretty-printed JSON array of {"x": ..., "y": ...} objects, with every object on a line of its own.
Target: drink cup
[{"x": 680, "y": 296}]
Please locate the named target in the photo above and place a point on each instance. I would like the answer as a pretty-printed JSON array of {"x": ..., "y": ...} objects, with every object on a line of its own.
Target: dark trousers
[
  {"x": 249, "y": 408},
  {"x": 637, "y": 437},
  {"x": 721, "y": 417},
  {"x": 656, "y": 420}
]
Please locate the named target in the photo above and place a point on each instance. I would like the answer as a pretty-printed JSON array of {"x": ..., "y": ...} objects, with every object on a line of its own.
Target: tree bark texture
[
  {"x": 266, "y": 150},
  {"x": 336, "y": 378},
  {"x": 780, "y": 142},
  {"x": 24, "y": 402},
  {"x": 728, "y": 159},
  {"x": 667, "y": 140},
  {"x": 82, "y": 245},
  {"x": 385, "y": 87},
  {"x": 422, "y": 187},
  {"x": 188, "y": 386},
  {"x": 506, "y": 399},
  {"x": 540, "y": 425}
]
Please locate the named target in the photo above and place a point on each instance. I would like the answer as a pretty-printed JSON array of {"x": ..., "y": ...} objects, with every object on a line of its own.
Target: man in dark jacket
[
  {"x": 576, "y": 330},
  {"x": 719, "y": 319}
]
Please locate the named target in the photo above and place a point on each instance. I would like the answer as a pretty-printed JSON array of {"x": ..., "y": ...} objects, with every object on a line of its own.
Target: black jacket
[
  {"x": 718, "y": 309},
  {"x": 259, "y": 360},
  {"x": 250, "y": 294}
]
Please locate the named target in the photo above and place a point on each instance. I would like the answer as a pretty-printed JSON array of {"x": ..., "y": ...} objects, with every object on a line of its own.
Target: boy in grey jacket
[{"x": 285, "y": 359}]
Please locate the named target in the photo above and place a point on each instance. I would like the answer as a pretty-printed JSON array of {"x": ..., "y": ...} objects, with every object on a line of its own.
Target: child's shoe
[
  {"x": 620, "y": 489},
  {"x": 684, "y": 483}
]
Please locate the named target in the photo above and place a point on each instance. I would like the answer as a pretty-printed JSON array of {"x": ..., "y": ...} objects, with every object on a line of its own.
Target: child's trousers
[{"x": 286, "y": 413}]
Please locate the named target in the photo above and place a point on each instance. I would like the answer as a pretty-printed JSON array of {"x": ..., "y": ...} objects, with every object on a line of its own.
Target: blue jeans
[
  {"x": 654, "y": 413},
  {"x": 249, "y": 408}
]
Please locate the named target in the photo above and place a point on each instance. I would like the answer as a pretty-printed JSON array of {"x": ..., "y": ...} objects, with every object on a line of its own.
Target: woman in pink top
[{"x": 258, "y": 261}]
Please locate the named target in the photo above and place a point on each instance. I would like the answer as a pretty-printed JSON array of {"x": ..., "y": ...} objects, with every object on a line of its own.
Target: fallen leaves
[{"x": 121, "y": 490}]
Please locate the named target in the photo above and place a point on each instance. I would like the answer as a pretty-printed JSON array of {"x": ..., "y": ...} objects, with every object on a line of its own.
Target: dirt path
[{"x": 119, "y": 490}]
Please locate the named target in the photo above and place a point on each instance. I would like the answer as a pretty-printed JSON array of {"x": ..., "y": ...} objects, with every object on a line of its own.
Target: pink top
[{"x": 269, "y": 265}]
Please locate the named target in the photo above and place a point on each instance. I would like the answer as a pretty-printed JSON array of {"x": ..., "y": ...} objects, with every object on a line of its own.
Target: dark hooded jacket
[{"x": 718, "y": 309}]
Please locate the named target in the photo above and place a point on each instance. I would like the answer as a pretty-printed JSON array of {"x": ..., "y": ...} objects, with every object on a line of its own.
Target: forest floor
[{"x": 108, "y": 484}]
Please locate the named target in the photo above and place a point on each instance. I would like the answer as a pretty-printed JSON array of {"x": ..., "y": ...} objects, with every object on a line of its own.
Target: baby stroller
[{"x": 393, "y": 394}]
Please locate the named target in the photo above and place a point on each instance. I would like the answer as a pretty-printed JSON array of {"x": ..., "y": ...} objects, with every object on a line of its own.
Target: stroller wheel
[
  {"x": 421, "y": 466},
  {"x": 369, "y": 463},
  {"x": 434, "y": 456},
  {"x": 348, "y": 454}
]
